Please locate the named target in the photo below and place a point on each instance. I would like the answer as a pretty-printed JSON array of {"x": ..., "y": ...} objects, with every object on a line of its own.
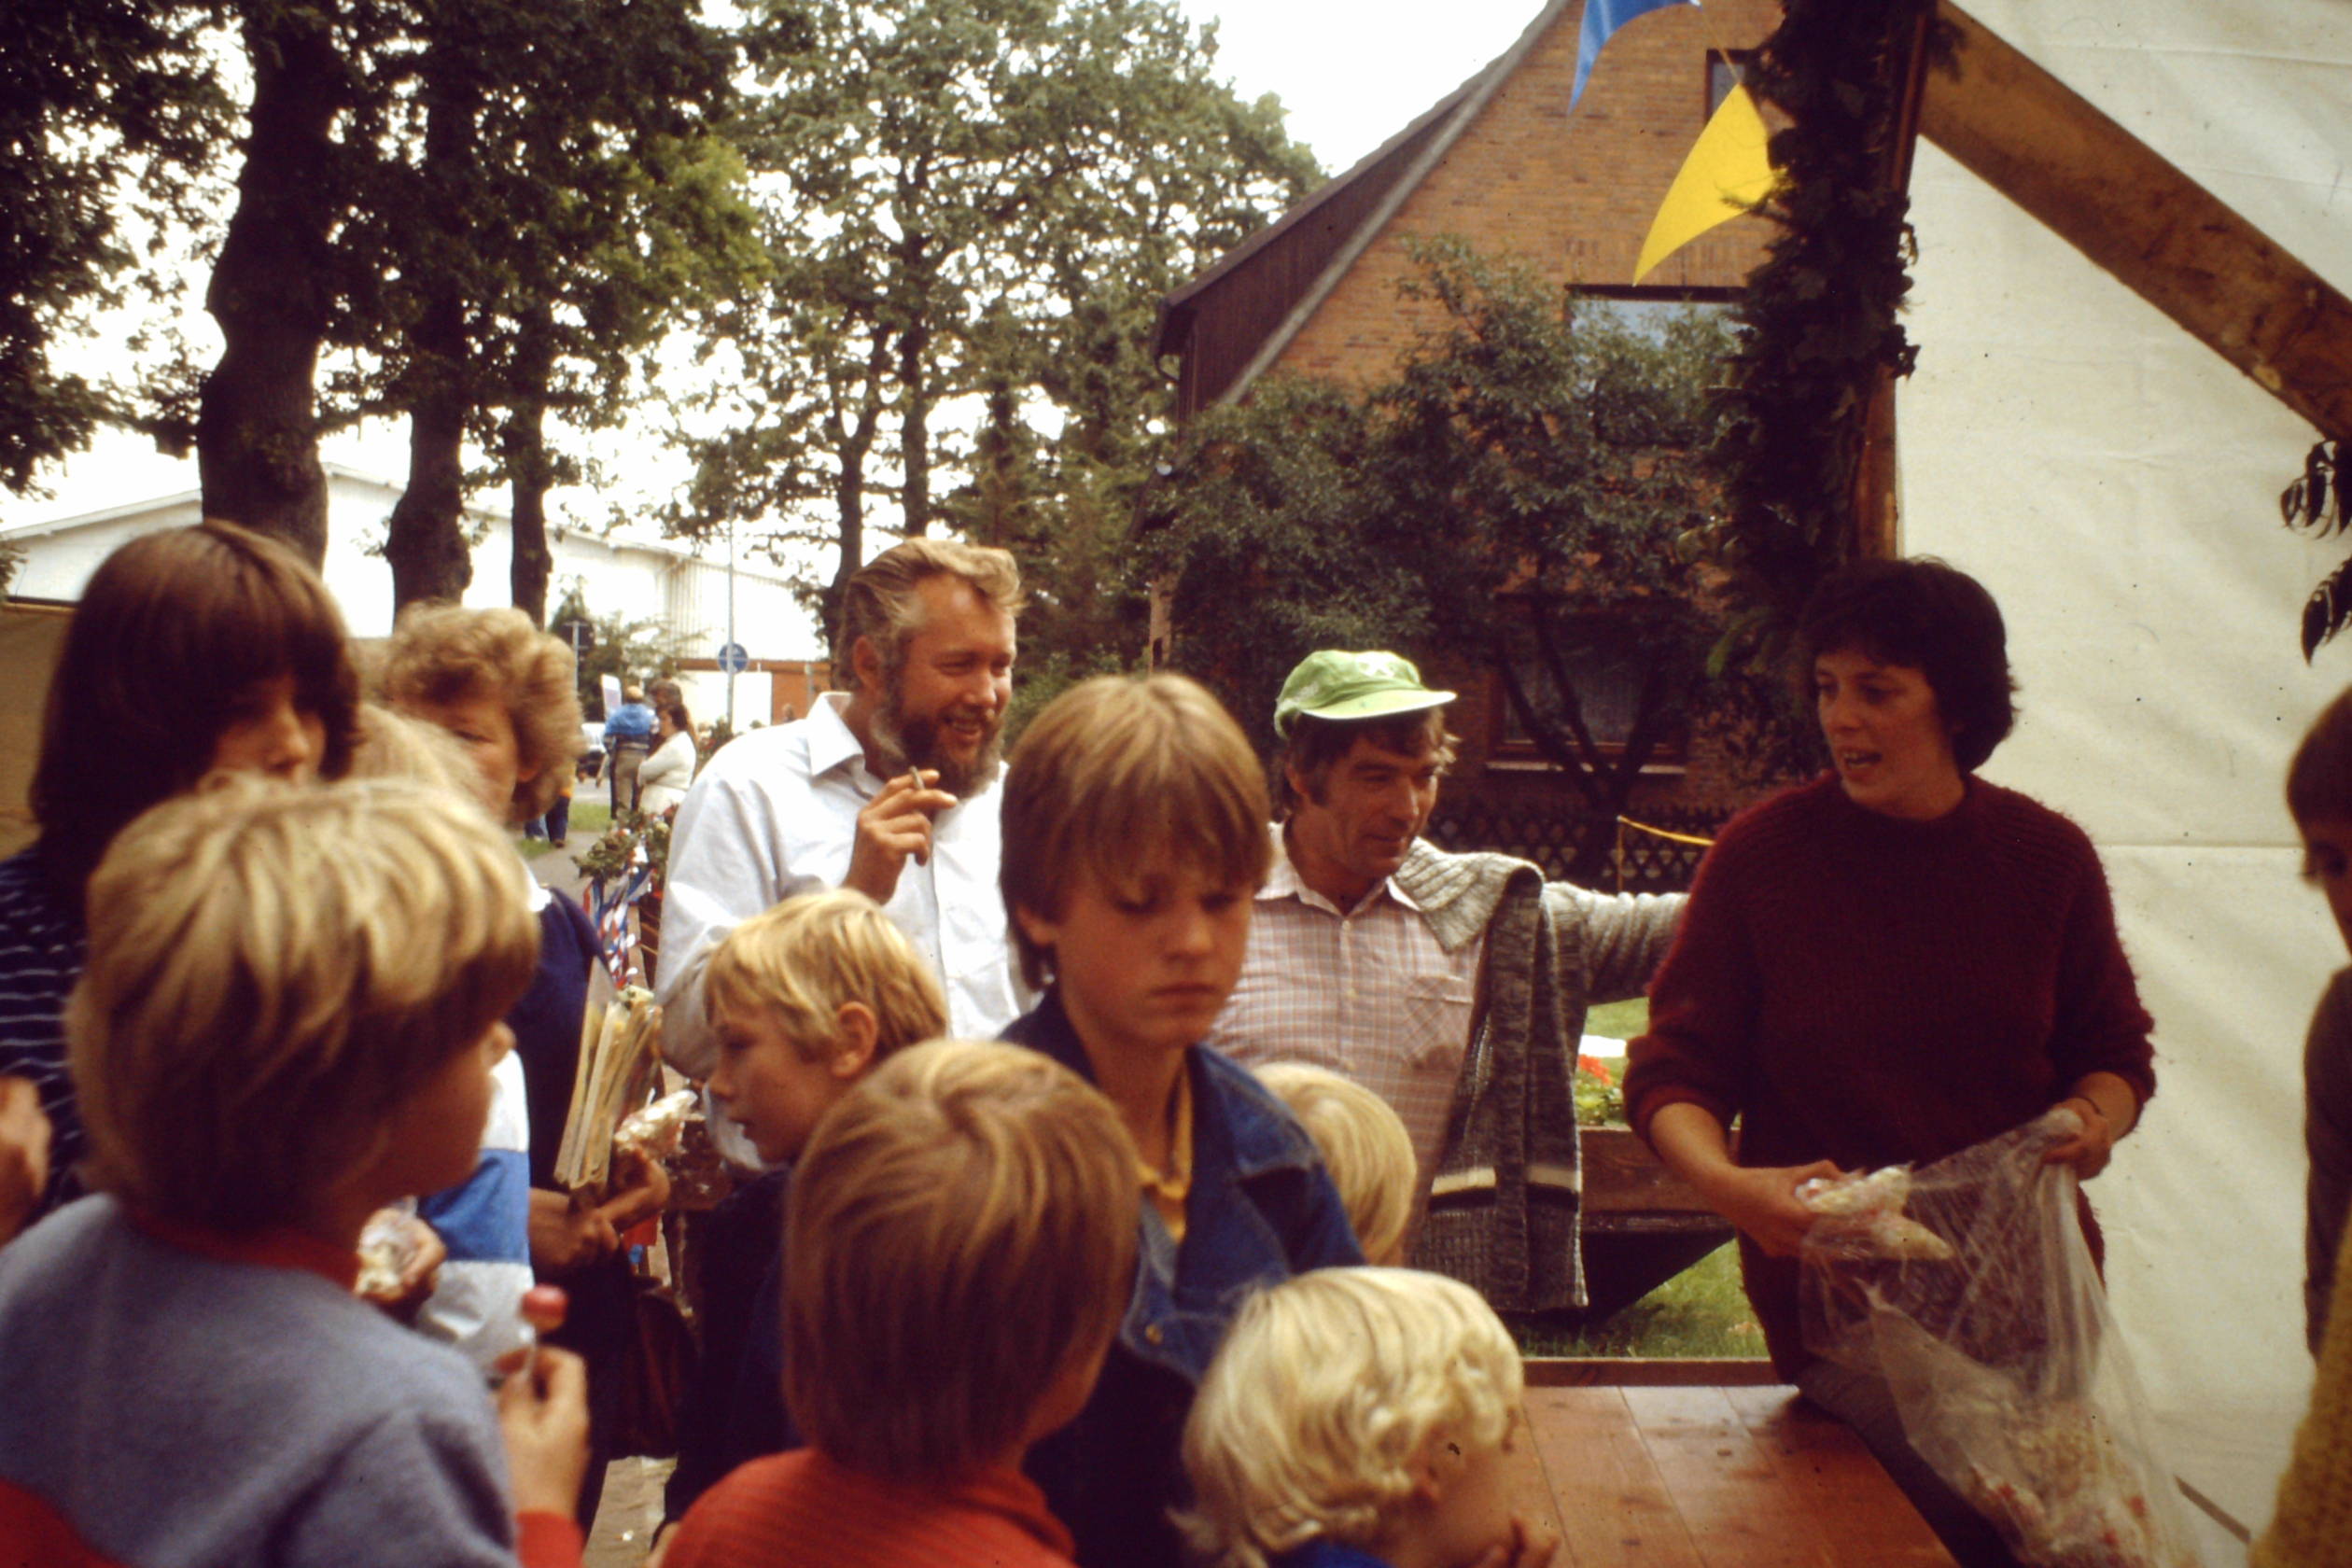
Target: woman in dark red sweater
[{"x": 1888, "y": 964}]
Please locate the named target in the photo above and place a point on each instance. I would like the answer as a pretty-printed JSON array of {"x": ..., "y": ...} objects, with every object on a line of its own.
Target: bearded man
[{"x": 889, "y": 788}]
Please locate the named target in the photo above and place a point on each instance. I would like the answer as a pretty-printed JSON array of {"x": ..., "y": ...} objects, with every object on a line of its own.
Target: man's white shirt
[{"x": 775, "y": 814}]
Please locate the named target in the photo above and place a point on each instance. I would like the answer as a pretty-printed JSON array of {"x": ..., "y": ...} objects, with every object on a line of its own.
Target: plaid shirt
[{"x": 1368, "y": 993}]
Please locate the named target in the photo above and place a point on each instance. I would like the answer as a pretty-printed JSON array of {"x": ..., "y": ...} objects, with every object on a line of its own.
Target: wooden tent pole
[{"x": 2171, "y": 241}]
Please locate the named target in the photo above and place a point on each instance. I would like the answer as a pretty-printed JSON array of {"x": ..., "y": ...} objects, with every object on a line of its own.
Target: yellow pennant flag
[{"x": 1726, "y": 173}]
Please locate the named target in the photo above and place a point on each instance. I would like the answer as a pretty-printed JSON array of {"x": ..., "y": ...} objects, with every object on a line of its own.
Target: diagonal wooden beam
[{"x": 2171, "y": 241}]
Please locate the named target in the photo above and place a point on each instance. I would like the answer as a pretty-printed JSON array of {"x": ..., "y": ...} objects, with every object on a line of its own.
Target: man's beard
[{"x": 912, "y": 741}]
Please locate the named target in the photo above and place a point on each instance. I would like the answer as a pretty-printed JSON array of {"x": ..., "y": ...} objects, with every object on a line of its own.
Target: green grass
[
  {"x": 1618, "y": 1020},
  {"x": 590, "y": 816},
  {"x": 1699, "y": 1312}
]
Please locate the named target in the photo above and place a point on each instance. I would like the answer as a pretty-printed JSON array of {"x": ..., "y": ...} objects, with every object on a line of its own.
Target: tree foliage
[
  {"x": 628, "y": 651},
  {"x": 972, "y": 208},
  {"x": 1525, "y": 492},
  {"x": 1818, "y": 321},
  {"x": 111, "y": 113},
  {"x": 2315, "y": 502},
  {"x": 550, "y": 190},
  {"x": 495, "y": 207}
]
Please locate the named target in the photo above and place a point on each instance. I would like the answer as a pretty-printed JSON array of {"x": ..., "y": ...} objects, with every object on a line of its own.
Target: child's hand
[
  {"x": 25, "y": 1150},
  {"x": 641, "y": 1190},
  {"x": 1527, "y": 1548},
  {"x": 543, "y": 1415},
  {"x": 567, "y": 1238},
  {"x": 425, "y": 1253}
]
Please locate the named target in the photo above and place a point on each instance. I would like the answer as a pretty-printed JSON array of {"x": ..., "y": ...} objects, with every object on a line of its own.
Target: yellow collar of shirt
[{"x": 1167, "y": 1190}]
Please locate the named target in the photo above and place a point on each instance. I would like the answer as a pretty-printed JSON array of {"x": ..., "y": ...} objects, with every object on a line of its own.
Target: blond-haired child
[
  {"x": 1134, "y": 836},
  {"x": 1364, "y": 1145},
  {"x": 288, "y": 1020},
  {"x": 1358, "y": 1417},
  {"x": 962, "y": 1229},
  {"x": 805, "y": 999}
]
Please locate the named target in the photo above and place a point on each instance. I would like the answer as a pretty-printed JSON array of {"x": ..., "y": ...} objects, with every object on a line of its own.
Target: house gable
[{"x": 1500, "y": 162}]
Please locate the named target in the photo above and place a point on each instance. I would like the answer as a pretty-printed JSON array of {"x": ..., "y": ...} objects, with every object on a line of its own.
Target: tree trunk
[
  {"x": 853, "y": 438},
  {"x": 915, "y": 428},
  {"x": 426, "y": 543},
  {"x": 528, "y": 471},
  {"x": 849, "y": 503},
  {"x": 257, "y": 418}
]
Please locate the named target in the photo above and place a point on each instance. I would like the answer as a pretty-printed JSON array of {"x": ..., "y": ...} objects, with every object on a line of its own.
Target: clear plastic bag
[{"x": 1968, "y": 1286}]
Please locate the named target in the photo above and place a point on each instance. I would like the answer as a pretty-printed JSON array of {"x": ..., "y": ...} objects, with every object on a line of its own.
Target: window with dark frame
[
  {"x": 1608, "y": 690},
  {"x": 1726, "y": 70}
]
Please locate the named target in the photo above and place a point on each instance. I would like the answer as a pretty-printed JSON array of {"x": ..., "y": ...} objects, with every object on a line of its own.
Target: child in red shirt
[{"x": 962, "y": 1229}]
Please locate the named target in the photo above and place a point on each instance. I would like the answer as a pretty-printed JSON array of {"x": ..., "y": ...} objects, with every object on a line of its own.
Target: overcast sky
[
  {"x": 1354, "y": 74},
  {"x": 1350, "y": 76}
]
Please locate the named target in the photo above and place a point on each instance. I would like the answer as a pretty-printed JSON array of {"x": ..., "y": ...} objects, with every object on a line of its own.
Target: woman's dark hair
[
  {"x": 1933, "y": 617},
  {"x": 674, "y": 711},
  {"x": 172, "y": 631}
]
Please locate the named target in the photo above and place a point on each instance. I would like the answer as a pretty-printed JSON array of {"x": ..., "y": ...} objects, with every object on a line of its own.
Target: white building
[{"x": 636, "y": 578}]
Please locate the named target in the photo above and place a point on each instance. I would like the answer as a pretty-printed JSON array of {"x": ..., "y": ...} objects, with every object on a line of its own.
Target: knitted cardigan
[{"x": 1503, "y": 1204}]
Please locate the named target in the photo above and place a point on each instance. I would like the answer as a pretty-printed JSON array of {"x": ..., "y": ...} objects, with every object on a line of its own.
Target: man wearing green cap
[{"x": 1452, "y": 985}]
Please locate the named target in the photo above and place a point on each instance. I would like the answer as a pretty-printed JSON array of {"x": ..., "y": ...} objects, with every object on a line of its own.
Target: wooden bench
[{"x": 1642, "y": 1224}]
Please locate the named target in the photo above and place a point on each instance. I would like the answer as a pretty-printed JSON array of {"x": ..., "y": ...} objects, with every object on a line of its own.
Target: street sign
[{"x": 733, "y": 659}]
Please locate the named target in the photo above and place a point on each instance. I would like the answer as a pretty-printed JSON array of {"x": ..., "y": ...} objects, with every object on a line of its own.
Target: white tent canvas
[{"x": 2115, "y": 483}]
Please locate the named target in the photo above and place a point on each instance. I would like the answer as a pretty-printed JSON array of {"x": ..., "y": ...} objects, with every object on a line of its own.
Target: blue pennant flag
[{"x": 1601, "y": 19}]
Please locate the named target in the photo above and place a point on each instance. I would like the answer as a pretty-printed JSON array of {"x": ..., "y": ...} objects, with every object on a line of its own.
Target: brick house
[{"x": 1504, "y": 164}]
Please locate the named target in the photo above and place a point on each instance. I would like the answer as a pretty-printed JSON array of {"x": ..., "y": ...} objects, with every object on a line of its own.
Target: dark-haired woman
[
  {"x": 1888, "y": 964},
  {"x": 192, "y": 649}
]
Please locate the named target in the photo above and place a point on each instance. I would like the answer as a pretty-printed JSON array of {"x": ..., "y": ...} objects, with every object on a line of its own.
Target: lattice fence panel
[{"x": 1548, "y": 835}]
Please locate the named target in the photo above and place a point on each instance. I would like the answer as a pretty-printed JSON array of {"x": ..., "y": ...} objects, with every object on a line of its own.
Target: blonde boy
[
  {"x": 805, "y": 999},
  {"x": 1365, "y": 1146},
  {"x": 288, "y": 1020},
  {"x": 962, "y": 1228},
  {"x": 1360, "y": 1418},
  {"x": 1134, "y": 834}
]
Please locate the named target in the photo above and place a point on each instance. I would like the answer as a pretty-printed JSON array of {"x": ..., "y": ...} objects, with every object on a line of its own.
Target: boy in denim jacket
[{"x": 1134, "y": 832}]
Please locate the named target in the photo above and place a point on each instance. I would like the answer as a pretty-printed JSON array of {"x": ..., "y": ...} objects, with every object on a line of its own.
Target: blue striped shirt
[{"x": 42, "y": 947}]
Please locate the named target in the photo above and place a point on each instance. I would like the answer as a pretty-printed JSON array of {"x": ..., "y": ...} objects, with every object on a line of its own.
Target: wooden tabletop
[{"x": 1710, "y": 1476}]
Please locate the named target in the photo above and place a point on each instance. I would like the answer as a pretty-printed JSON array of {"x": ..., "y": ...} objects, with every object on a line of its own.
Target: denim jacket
[{"x": 1261, "y": 1209}]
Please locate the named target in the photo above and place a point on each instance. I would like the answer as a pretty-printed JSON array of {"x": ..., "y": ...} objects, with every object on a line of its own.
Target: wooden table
[{"x": 1716, "y": 1475}]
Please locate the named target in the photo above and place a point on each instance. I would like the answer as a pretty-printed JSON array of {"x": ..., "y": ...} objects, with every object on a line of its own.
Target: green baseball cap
[{"x": 1343, "y": 686}]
